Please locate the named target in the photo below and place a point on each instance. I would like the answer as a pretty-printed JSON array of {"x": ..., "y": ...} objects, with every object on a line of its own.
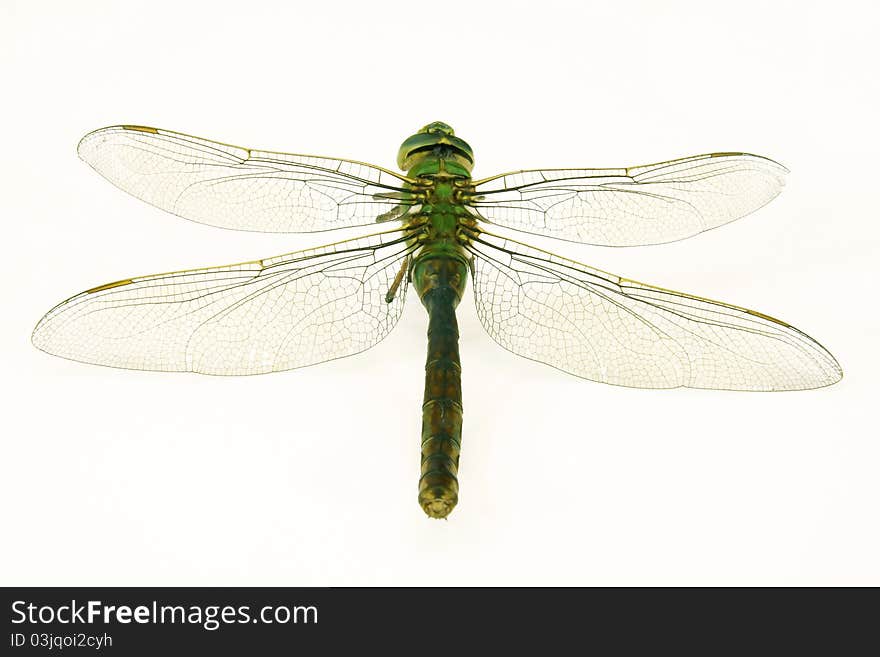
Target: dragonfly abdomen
[{"x": 439, "y": 279}]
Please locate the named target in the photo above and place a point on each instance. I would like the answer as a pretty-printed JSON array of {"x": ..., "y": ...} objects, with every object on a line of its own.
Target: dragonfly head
[{"x": 436, "y": 142}]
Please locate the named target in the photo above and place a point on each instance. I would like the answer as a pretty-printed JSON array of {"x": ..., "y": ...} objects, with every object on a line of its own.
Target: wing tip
[
  {"x": 771, "y": 161},
  {"x": 38, "y": 336},
  {"x": 836, "y": 371},
  {"x": 84, "y": 144},
  {"x": 89, "y": 136}
]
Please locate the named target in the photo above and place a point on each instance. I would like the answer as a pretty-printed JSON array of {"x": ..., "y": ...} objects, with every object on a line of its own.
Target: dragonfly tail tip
[{"x": 437, "y": 502}]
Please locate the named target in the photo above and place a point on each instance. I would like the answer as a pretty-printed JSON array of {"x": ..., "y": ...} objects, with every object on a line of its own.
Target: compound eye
[{"x": 438, "y": 128}]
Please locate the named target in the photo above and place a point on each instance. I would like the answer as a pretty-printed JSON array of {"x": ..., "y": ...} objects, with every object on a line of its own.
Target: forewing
[
  {"x": 250, "y": 318},
  {"x": 240, "y": 188},
  {"x": 613, "y": 330},
  {"x": 633, "y": 206}
]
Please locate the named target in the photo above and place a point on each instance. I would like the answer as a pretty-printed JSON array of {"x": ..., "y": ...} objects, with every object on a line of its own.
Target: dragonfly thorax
[{"x": 435, "y": 149}]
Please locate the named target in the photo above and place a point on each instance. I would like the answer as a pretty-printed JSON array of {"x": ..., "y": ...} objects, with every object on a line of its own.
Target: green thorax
[{"x": 441, "y": 164}]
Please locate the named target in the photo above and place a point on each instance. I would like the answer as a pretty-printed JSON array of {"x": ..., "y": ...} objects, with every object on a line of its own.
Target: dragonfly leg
[
  {"x": 395, "y": 284},
  {"x": 394, "y": 213}
]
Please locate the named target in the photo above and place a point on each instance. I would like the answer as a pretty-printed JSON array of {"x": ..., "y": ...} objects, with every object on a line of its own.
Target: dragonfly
[{"x": 432, "y": 228}]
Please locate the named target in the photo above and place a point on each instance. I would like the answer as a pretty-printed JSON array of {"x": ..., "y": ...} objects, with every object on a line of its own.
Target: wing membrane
[
  {"x": 240, "y": 188},
  {"x": 249, "y": 318},
  {"x": 634, "y": 206},
  {"x": 613, "y": 330}
]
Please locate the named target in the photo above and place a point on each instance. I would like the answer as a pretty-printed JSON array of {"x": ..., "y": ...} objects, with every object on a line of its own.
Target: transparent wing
[
  {"x": 249, "y": 318},
  {"x": 614, "y": 330},
  {"x": 240, "y": 188},
  {"x": 634, "y": 206}
]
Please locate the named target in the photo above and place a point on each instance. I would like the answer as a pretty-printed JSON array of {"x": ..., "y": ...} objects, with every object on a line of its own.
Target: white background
[{"x": 114, "y": 477}]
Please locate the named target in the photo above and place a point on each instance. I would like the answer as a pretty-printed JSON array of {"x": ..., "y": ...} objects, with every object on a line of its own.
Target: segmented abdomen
[{"x": 439, "y": 280}]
